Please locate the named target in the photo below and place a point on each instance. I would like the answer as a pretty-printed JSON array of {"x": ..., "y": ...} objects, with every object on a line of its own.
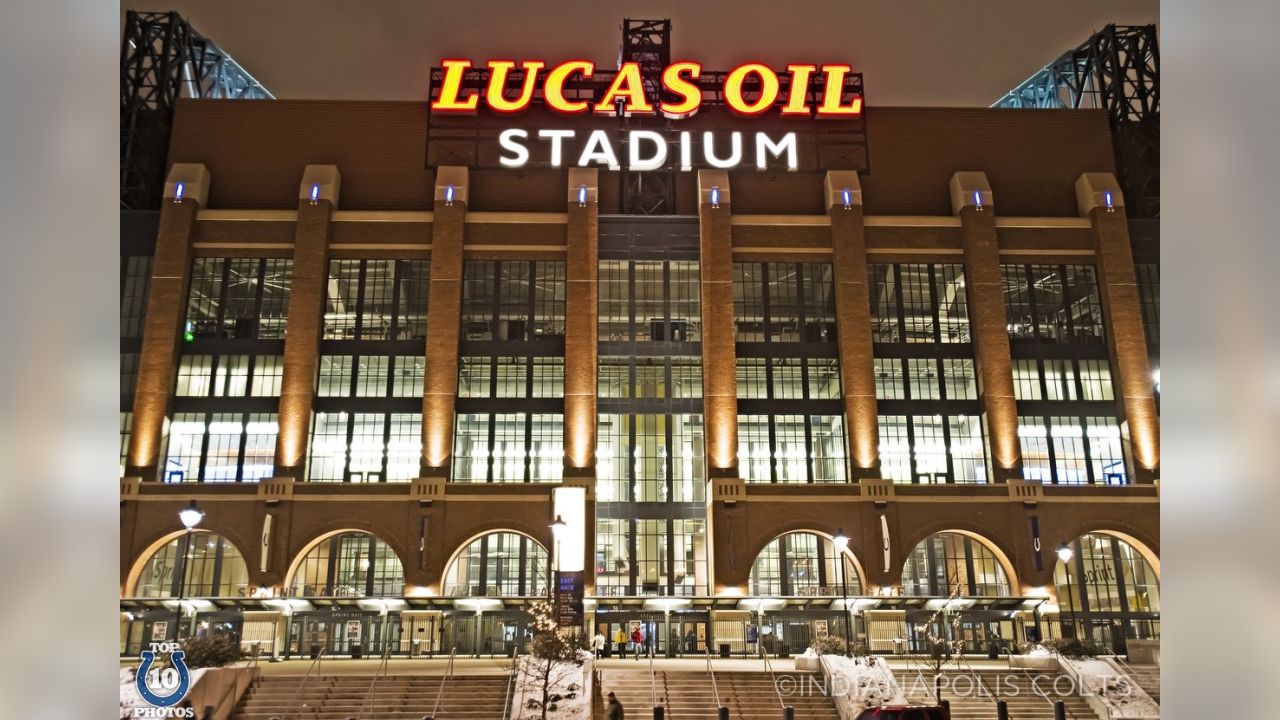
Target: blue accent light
[
  {"x": 315, "y": 192},
  {"x": 715, "y": 196},
  {"x": 177, "y": 192},
  {"x": 977, "y": 199},
  {"x": 1106, "y": 198},
  {"x": 582, "y": 196},
  {"x": 448, "y": 195},
  {"x": 848, "y": 198}
]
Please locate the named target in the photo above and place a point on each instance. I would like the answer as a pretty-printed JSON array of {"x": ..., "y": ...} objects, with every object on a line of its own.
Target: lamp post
[
  {"x": 841, "y": 543},
  {"x": 190, "y": 516},
  {"x": 1065, "y": 554}
]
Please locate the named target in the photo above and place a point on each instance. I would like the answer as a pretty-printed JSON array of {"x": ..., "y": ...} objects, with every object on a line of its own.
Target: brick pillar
[
  {"x": 306, "y": 316},
  {"x": 580, "y": 346},
  {"x": 444, "y": 316},
  {"x": 719, "y": 374},
  {"x": 853, "y": 322},
  {"x": 185, "y": 192},
  {"x": 971, "y": 199},
  {"x": 1100, "y": 200}
]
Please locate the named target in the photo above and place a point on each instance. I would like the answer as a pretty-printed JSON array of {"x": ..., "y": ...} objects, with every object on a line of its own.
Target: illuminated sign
[{"x": 808, "y": 116}]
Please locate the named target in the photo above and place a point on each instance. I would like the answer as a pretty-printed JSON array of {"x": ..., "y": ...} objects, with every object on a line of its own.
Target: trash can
[
  {"x": 724, "y": 650},
  {"x": 993, "y": 649},
  {"x": 315, "y": 651},
  {"x": 357, "y": 651}
]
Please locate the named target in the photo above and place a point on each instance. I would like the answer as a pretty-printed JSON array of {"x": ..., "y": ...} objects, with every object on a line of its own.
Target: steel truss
[
  {"x": 1117, "y": 70},
  {"x": 162, "y": 58}
]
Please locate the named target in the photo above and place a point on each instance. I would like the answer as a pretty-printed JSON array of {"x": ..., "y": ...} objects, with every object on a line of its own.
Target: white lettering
[
  {"x": 659, "y": 157},
  {"x": 556, "y": 137},
  {"x": 787, "y": 143},
  {"x": 709, "y": 152},
  {"x": 686, "y": 152},
  {"x": 520, "y": 154},
  {"x": 597, "y": 150}
]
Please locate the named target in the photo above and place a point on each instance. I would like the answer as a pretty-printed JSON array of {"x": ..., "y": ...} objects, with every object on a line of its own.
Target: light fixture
[
  {"x": 315, "y": 193},
  {"x": 178, "y": 190},
  {"x": 191, "y": 515},
  {"x": 848, "y": 198},
  {"x": 1155, "y": 375},
  {"x": 715, "y": 196},
  {"x": 977, "y": 199},
  {"x": 1065, "y": 553},
  {"x": 448, "y": 194},
  {"x": 582, "y": 196},
  {"x": 841, "y": 541},
  {"x": 558, "y": 526},
  {"x": 1108, "y": 201}
]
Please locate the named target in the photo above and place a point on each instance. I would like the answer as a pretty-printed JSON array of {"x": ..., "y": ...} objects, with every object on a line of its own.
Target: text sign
[{"x": 568, "y": 598}]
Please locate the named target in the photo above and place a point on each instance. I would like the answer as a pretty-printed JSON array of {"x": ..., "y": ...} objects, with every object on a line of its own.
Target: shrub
[
  {"x": 828, "y": 645},
  {"x": 1073, "y": 648},
  {"x": 210, "y": 651}
]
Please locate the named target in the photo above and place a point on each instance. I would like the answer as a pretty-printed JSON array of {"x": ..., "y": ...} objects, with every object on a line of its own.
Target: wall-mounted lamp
[
  {"x": 847, "y": 196},
  {"x": 448, "y": 194},
  {"x": 315, "y": 193},
  {"x": 1109, "y": 201},
  {"x": 582, "y": 196},
  {"x": 177, "y": 192},
  {"x": 715, "y": 196},
  {"x": 977, "y": 200}
]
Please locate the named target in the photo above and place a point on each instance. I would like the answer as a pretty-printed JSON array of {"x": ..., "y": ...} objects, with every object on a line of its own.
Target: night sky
[{"x": 911, "y": 52}]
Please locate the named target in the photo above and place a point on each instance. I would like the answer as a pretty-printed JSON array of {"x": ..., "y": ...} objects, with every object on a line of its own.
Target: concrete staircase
[
  {"x": 688, "y": 694},
  {"x": 969, "y": 701},
  {"x": 1147, "y": 677},
  {"x": 395, "y": 697}
]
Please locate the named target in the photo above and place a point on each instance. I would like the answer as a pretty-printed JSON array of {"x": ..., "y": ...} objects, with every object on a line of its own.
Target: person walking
[
  {"x": 597, "y": 644},
  {"x": 637, "y": 639},
  {"x": 620, "y": 642},
  {"x": 614, "y": 711}
]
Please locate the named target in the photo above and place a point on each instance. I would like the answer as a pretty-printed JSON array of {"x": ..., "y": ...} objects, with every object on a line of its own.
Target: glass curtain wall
[
  {"x": 1068, "y": 422},
  {"x": 510, "y": 411},
  {"x": 367, "y": 422},
  {"x": 135, "y": 281},
  {"x": 223, "y": 424},
  {"x": 651, "y": 530},
  {"x": 791, "y": 418},
  {"x": 930, "y": 420}
]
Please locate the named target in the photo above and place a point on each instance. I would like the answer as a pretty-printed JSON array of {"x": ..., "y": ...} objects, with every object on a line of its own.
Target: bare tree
[{"x": 555, "y": 657}]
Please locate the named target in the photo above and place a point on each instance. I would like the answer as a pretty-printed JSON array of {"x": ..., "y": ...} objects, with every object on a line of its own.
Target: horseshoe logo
[{"x": 173, "y": 698}]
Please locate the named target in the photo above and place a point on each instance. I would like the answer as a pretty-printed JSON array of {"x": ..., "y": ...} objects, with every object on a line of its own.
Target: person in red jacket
[{"x": 637, "y": 639}]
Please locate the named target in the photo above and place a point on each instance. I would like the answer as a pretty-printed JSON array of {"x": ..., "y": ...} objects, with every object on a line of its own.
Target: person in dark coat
[{"x": 614, "y": 711}]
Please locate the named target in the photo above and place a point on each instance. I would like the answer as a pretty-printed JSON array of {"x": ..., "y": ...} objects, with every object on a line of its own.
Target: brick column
[
  {"x": 307, "y": 290},
  {"x": 853, "y": 322},
  {"x": 581, "y": 293},
  {"x": 971, "y": 199},
  {"x": 1100, "y": 200},
  {"x": 719, "y": 374},
  {"x": 444, "y": 316},
  {"x": 185, "y": 192}
]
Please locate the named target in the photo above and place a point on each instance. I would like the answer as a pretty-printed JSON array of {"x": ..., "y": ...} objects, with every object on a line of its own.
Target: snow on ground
[
  {"x": 576, "y": 708},
  {"x": 1123, "y": 698},
  {"x": 860, "y": 682},
  {"x": 129, "y": 697}
]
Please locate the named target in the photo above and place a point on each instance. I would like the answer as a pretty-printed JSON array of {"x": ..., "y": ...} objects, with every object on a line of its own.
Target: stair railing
[
  {"x": 511, "y": 682},
  {"x": 230, "y": 693},
  {"x": 1036, "y": 689},
  {"x": 379, "y": 673},
  {"x": 764, "y": 653},
  {"x": 715, "y": 690},
  {"x": 297, "y": 696},
  {"x": 448, "y": 673},
  {"x": 653, "y": 681},
  {"x": 964, "y": 664}
]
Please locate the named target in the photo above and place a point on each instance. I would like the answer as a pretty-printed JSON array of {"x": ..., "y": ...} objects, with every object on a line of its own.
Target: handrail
[
  {"x": 315, "y": 665},
  {"x": 511, "y": 681},
  {"x": 764, "y": 653},
  {"x": 448, "y": 673},
  {"x": 995, "y": 698},
  {"x": 1036, "y": 689},
  {"x": 715, "y": 690},
  {"x": 653, "y": 681},
  {"x": 230, "y": 692},
  {"x": 380, "y": 672}
]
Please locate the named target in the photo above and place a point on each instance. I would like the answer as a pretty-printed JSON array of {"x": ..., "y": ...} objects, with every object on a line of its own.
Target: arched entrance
[
  {"x": 1109, "y": 591},
  {"x": 499, "y": 572},
  {"x": 962, "y": 568}
]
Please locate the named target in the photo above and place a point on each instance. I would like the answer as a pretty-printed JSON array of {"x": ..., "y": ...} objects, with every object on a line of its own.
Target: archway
[
  {"x": 199, "y": 564},
  {"x": 500, "y": 563},
  {"x": 956, "y": 562},
  {"x": 1109, "y": 591},
  {"x": 346, "y": 563},
  {"x": 803, "y": 563}
]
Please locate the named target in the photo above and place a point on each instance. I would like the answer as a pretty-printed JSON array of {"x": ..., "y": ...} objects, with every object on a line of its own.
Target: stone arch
[
  {"x": 301, "y": 555},
  {"x": 1130, "y": 535},
  {"x": 818, "y": 528},
  {"x": 140, "y": 561},
  {"x": 850, "y": 551},
  {"x": 1002, "y": 558},
  {"x": 463, "y": 546}
]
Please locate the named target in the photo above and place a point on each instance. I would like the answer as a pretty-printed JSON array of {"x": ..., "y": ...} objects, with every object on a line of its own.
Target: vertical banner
[
  {"x": 1036, "y": 561},
  {"x": 568, "y": 600},
  {"x": 264, "y": 548},
  {"x": 422, "y": 543},
  {"x": 884, "y": 540}
]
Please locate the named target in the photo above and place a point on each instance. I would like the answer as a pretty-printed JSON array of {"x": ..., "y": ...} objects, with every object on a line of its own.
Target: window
[
  {"x": 1053, "y": 303},
  {"x": 651, "y": 557},
  {"x": 365, "y": 446},
  {"x": 239, "y": 298},
  {"x": 650, "y": 458},
  {"x": 500, "y": 564},
  {"x": 918, "y": 303},
  {"x": 1149, "y": 295},
  {"x": 135, "y": 280},
  {"x": 649, "y": 301},
  {"x": 220, "y": 447},
  {"x": 198, "y": 564},
  {"x": 804, "y": 564},
  {"x": 126, "y": 431},
  {"x": 1111, "y": 585},
  {"x": 932, "y": 448},
  {"x": 1072, "y": 450},
  {"x": 128, "y": 374},
  {"x": 508, "y": 447},
  {"x": 377, "y": 300},
  {"x": 348, "y": 565},
  {"x": 784, "y": 302},
  {"x": 949, "y": 563},
  {"x": 792, "y": 448},
  {"x": 513, "y": 300}
]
